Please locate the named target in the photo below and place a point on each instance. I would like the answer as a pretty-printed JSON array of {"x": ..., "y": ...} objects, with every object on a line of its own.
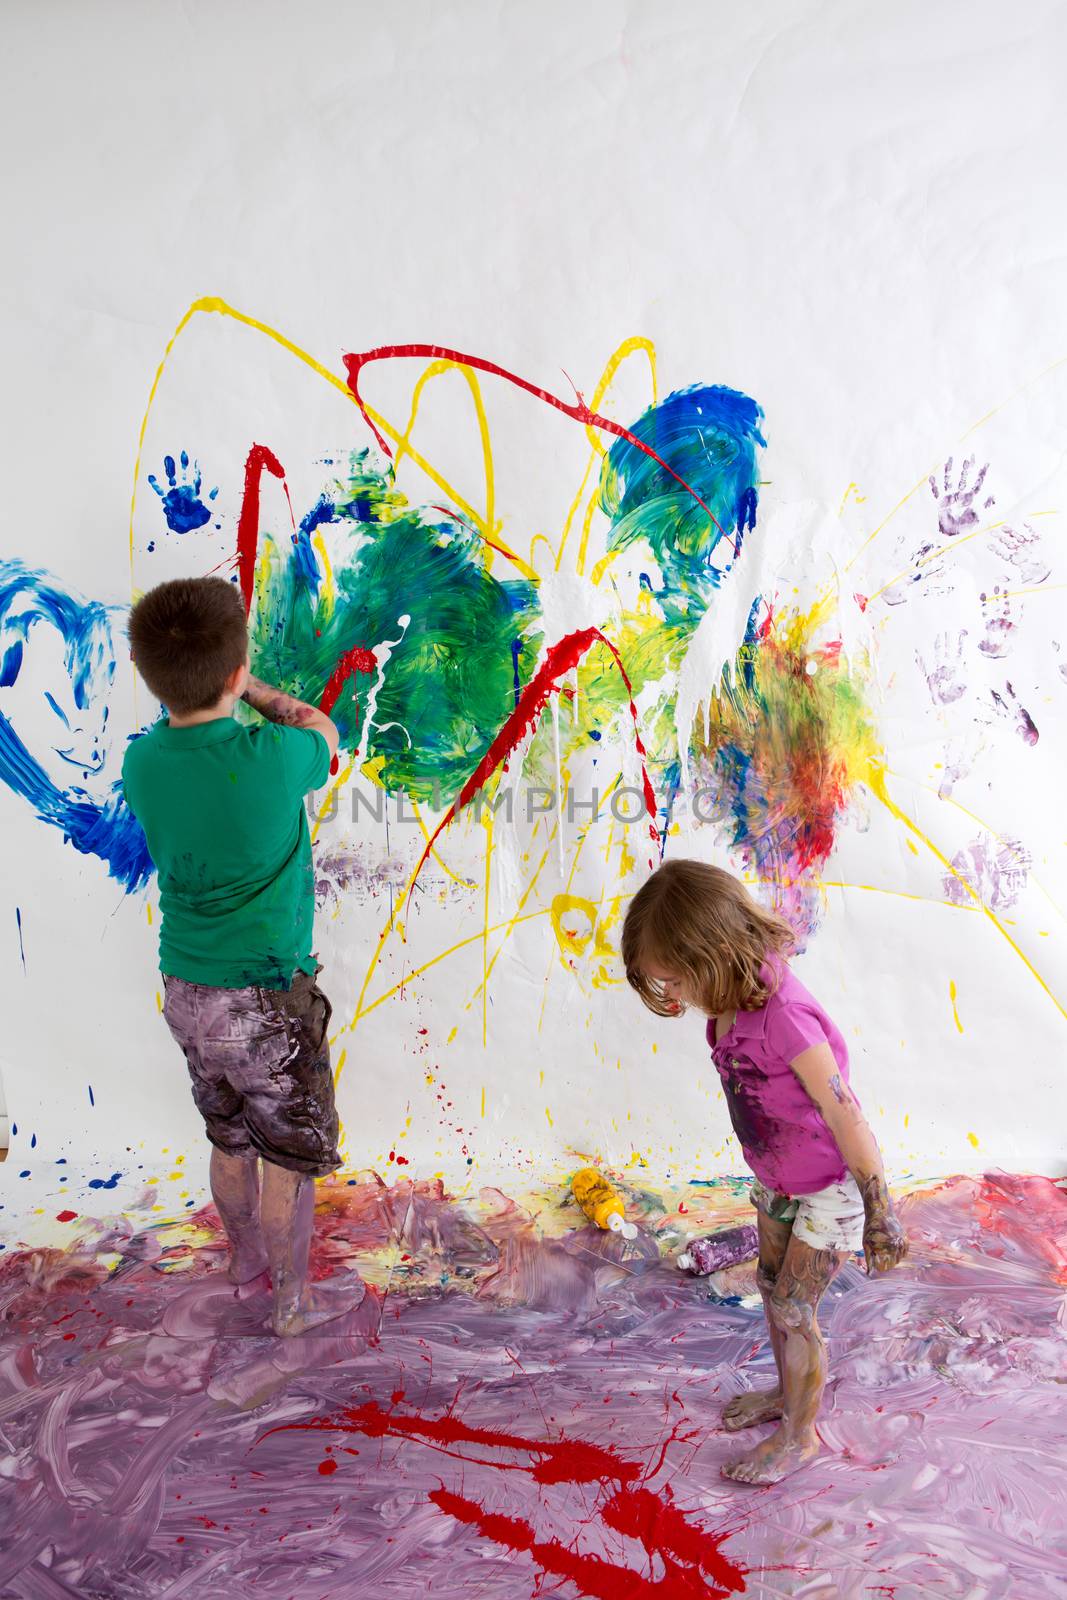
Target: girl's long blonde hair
[{"x": 701, "y": 923}]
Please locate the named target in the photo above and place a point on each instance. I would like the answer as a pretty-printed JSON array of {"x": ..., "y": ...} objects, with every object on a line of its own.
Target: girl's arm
[{"x": 884, "y": 1240}]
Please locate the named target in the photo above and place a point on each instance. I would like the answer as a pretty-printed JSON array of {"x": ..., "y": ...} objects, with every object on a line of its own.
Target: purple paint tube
[{"x": 719, "y": 1250}]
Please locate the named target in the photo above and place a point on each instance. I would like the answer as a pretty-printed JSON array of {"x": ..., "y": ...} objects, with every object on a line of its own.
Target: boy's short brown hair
[
  {"x": 187, "y": 637},
  {"x": 702, "y": 924}
]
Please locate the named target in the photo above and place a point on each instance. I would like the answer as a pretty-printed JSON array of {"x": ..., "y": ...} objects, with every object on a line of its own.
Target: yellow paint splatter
[
  {"x": 973, "y": 1137},
  {"x": 955, "y": 1009},
  {"x": 548, "y": 1114}
]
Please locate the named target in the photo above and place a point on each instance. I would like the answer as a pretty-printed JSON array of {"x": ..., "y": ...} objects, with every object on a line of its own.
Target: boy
[{"x": 222, "y": 807}]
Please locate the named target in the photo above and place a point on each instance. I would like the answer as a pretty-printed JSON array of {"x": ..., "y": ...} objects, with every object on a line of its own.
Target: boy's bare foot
[
  {"x": 246, "y": 1264},
  {"x": 318, "y": 1305},
  {"x": 749, "y": 1410},
  {"x": 774, "y": 1458}
]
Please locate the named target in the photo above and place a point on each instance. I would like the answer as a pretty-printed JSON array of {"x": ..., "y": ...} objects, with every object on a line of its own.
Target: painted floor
[{"x": 525, "y": 1407}]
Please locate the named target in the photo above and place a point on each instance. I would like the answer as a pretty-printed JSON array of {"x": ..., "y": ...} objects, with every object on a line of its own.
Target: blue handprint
[{"x": 182, "y": 505}]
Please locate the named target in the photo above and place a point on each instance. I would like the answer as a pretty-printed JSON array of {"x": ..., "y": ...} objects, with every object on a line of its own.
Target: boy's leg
[
  {"x": 802, "y": 1280},
  {"x": 764, "y": 1405},
  {"x": 288, "y": 1213},
  {"x": 235, "y": 1191}
]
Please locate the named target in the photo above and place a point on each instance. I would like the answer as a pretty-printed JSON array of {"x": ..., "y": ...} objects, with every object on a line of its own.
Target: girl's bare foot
[
  {"x": 749, "y": 1410},
  {"x": 774, "y": 1458}
]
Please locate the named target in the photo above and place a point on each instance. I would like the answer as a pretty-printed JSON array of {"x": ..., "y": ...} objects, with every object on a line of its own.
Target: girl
[{"x": 694, "y": 936}]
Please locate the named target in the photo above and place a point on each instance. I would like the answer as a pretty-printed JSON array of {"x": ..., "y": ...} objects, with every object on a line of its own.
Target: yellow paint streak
[
  {"x": 343, "y": 775},
  {"x": 942, "y": 549},
  {"x": 445, "y": 868},
  {"x": 955, "y": 1008},
  {"x": 214, "y": 305},
  {"x": 598, "y": 450},
  {"x": 487, "y": 823},
  {"x": 483, "y": 1099},
  {"x": 339, "y": 1068},
  {"x": 876, "y": 779}
]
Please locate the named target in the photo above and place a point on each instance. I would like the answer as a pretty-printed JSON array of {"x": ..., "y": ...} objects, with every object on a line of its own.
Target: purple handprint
[
  {"x": 1021, "y": 548},
  {"x": 945, "y": 680},
  {"x": 955, "y": 505},
  {"x": 999, "y": 624}
]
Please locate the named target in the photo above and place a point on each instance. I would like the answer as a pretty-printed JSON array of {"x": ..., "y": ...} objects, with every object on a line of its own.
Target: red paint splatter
[
  {"x": 694, "y": 1567},
  {"x": 591, "y": 1575},
  {"x": 663, "y": 1530},
  {"x": 355, "y": 660},
  {"x": 578, "y": 412},
  {"x": 559, "y": 1460},
  {"x": 561, "y": 659},
  {"x": 260, "y": 459},
  {"x": 326, "y": 1467},
  {"x": 66, "y": 1216}
]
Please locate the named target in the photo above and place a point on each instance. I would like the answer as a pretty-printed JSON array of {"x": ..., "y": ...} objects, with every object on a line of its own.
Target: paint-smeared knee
[
  {"x": 766, "y": 1278},
  {"x": 789, "y": 1314}
]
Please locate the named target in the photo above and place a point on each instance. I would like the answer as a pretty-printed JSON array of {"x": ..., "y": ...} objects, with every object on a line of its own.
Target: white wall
[{"x": 853, "y": 214}]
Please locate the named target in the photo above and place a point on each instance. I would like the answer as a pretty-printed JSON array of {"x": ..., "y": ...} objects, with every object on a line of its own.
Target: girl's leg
[
  {"x": 764, "y": 1405},
  {"x": 803, "y": 1278}
]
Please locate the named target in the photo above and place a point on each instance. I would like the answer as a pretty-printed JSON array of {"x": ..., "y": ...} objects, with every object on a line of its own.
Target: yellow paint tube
[{"x": 601, "y": 1203}]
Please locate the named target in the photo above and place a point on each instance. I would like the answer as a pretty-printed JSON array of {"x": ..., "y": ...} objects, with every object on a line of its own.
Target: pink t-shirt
[{"x": 785, "y": 1140}]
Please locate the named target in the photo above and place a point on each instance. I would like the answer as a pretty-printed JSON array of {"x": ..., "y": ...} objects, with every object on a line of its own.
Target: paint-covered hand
[{"x": 885, "y": 1243}]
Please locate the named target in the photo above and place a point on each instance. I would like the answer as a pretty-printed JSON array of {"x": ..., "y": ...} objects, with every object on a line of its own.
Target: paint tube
[
  {"x": 601, "y": 1203},
  {"x": 727, "y": 1248}
]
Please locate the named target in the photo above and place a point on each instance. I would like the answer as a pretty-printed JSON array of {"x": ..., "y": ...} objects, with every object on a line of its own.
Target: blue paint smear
[
  {"x": 107, "y": 829},
  {"x": 516, "y": 652},
  {"x": 105, "y": 1183},
  {"x": 304, "y": 562},
  {"x": 709, "y": 435},
  {"x": 182, "y": 506},
  {"x": 22, "y": 947}
]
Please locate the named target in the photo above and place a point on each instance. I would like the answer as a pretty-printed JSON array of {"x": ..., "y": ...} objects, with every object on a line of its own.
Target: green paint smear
[{"x": 449, "y": 682}]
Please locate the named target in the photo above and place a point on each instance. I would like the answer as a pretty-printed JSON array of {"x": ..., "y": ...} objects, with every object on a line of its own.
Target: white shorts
[{"x": 830, "y": 1219}]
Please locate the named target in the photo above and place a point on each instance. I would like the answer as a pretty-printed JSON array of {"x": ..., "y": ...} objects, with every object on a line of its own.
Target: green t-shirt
[{"x": 222, "y": 807}]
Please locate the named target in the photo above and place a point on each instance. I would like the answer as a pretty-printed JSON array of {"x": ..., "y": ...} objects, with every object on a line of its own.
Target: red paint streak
[
  {"x": 562, "y": 657},
  {"x": 694, "y": 1565},
  {"x": 260, "y": 459},
  {"x": 559, "y": 1460},
  {"x": 356, "y": 660},
  {"x": 65, "y": 1216},
  {"x": 578, "y": 412},
  {"x": 591, "y": 1575},
  {"x": 664, "y": 1530}
]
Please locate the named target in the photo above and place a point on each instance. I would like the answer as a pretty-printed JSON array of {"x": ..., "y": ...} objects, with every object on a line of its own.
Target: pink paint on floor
[{"x": 508, "y": 1415}]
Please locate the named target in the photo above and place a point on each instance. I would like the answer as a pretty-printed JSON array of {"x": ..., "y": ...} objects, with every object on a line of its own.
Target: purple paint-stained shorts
[{"x": 259, "y": 1061}]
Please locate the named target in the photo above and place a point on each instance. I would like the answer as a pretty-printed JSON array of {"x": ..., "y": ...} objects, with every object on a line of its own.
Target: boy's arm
[
  {"x": 884, "y": 1240},
  {"x": 277, "y": 706}
]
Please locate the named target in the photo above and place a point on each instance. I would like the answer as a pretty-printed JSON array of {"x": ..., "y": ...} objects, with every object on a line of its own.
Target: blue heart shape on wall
[{"x": 105, "y": 828}]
